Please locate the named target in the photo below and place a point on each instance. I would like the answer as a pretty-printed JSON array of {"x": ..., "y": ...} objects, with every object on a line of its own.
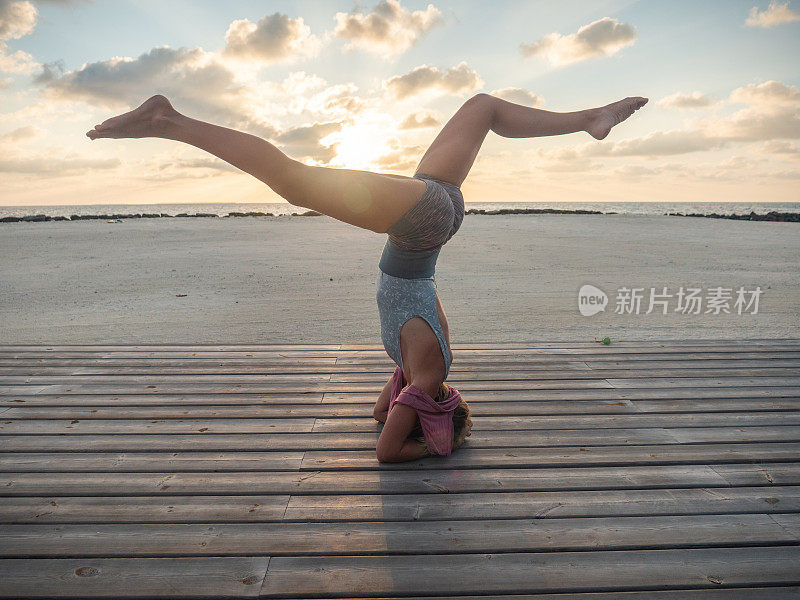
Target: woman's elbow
[{"x": 387, "y": 455}]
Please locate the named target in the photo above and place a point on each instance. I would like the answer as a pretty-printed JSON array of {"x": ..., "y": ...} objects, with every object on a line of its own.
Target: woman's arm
[
  {"x": 382, "y": 405},
  {"x": 393, "y": 443}
]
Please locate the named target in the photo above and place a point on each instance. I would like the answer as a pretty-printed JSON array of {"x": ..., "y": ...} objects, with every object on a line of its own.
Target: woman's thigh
[{"x": 362, "y": 198}]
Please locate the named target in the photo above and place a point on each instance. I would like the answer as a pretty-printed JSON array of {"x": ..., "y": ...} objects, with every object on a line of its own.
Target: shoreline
[{"x": 773, "y": 216}]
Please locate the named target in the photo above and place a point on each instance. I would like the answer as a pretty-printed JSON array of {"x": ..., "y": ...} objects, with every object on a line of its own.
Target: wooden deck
[{"x": 665, "y": 470}]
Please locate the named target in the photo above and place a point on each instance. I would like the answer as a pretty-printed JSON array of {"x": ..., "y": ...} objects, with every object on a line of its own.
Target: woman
[{"x": 419, "y": 213}]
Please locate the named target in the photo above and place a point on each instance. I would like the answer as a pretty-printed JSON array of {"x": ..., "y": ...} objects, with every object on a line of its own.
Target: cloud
[
  {"x": 773, "y": 114},
  {"x": 17, "y": 19},
  {"x": 767, "y": 93},
  {"x": 690, "y": 101},
  {"x": 756, "y": 124},
  {"x": 780, "y": 147},
  {"x": 389, "y": 28},
  {"x": 401, "y": 158},
  {"x": 776, "y": 13},
  {"x": 194, "y": 80},
  {"x": 55, "y": 166},
  {"x": 19, "y": 134},
  {"x": 304, "y": 141},
  {"x": 519, "y": 96},
  {"x": 418, "y": 120},
  {"x": 658, "y": 143},
  {"x": 564, "y": 160},
  {"x": 275, "y": 38},
  {"x": 456, "y": 80},
  {"x": 604, "y": 37}
]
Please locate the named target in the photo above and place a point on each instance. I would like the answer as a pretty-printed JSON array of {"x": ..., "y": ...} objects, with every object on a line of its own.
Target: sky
[{"x": 368, "y": 85}]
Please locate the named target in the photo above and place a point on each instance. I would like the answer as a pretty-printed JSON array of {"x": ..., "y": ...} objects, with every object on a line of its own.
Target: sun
[{"x": 361, "y": 143}]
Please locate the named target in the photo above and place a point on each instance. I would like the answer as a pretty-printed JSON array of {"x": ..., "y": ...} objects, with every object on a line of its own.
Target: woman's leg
[
  {"x": 451, "y": 155},
  {"x": 362, "y": 198}
]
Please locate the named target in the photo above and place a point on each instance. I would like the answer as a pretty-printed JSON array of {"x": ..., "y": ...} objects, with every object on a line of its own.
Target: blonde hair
[{"x": 462, "y": 423}]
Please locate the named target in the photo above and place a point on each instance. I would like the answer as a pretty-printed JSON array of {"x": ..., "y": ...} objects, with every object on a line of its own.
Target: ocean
[{"x": 283, "y": 209}]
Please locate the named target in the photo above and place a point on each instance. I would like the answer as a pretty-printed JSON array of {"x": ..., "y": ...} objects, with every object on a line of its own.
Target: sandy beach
[{"x": 312, "y": 279}]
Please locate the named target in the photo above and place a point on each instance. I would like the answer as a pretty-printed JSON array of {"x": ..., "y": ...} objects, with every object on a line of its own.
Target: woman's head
[{"x": 462, "y": 423}]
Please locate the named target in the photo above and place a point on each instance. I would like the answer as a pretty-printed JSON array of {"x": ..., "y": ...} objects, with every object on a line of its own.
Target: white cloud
[
  {"x": 304, "y": 141},
  {"x": 418, "y": 120},
  {"x": 767, "y": 93},
  {"x": 776, "y": 13},
  {"x": 51, "y": 165},
  {"x": 389, "y": 28},
  {"x": 17, "y": 19},
  {"x": 400, "y": 158},
  {"x": 193, "y": 79},
  {"x": 603, "y": 37},
  {"x": 519, "y": 96},
  {"x": 690, "y": 101},
  {"x": 275, "y": 38},
  {"x": 456, "y": 80},
  {"x": 19, "y": 134},
  {"x": 757, "y": 124},
  {"x": 564, "y": 160},
  {"x": 780, "y": 147},
  {"x": 658, "y": 143}
]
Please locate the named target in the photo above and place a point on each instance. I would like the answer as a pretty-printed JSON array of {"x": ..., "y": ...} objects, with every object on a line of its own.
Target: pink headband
[{"x": 436, "y": 418}]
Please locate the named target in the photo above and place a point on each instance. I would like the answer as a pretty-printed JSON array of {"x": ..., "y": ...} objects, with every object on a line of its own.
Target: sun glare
[{"x": 362, "y": 143}]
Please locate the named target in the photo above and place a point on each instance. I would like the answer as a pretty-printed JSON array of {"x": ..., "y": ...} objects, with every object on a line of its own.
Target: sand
[{"x": 312, "y": 279}]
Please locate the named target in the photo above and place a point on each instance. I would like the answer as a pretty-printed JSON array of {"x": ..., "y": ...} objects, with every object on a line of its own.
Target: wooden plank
[
  {"x": 584, "y": 355},
  {"x": 246, "y": 374},
  {"x": 384, "y": 363},
  {"x": 467, "y": 458},
  {"x": 170, "y": 365},
  {"x": 133, "y": 578},
  {"x": 294, "y": 388},
  {"x": 592, "y": 394},
  {"x": 393, "y": 538},
  {"x": 248, "y": 508},
  {"x": 541, "y": 504},
  {"x": 366, "y": 441},
  {"x": 378, "y": 353},
  {"x": 367, "y": 423},
  {"x": 398, "y": 482},
  {"x": 508, "y": 397},
  {"x": 533, "y": 344},
  {"x": 165, "y": 426},
  {"x": 475, "y": 458},
  {"x": 622, "y": 382},
  {"x": 530, "y": 423},
  {"x": 354, "y": 409},
  {"x": 483, "y": 374},
  {"x": 519, "y": 573},
  {"x": 748, "y": 593},
  {"x": 649, "y": 377}
]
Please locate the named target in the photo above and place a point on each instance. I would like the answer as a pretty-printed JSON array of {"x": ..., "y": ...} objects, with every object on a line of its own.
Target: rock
[{"x": 10, "y": 219}]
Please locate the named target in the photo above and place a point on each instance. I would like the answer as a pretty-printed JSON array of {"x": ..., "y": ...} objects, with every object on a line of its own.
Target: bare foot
[
  {"x": 149, "y": 120},
  {"x": 613, "y": 114}
]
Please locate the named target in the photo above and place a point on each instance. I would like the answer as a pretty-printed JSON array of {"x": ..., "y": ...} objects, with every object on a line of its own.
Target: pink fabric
[{"x": 436, "y": 418}]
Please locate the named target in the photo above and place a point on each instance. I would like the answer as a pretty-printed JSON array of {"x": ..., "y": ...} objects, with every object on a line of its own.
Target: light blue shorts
[{"x": 406, "y": 284}]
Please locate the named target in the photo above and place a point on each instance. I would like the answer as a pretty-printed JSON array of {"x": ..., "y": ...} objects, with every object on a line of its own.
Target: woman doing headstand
[{"x": 419, "y": 213}]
